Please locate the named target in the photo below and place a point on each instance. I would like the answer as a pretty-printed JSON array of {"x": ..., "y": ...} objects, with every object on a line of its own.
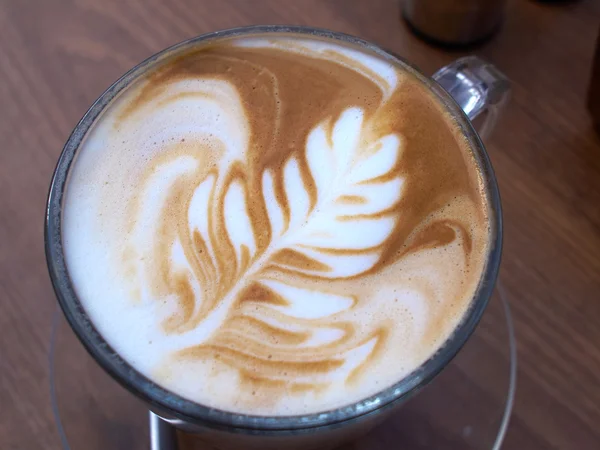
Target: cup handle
[{"x": 479, "y": 89}]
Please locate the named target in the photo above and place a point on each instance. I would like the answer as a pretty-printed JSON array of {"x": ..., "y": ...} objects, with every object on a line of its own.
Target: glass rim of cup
[{"x": 167, "y": 402}]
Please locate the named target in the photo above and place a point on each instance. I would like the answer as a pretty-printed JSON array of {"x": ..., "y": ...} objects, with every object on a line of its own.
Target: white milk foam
[{"x": 114, "y": 209}]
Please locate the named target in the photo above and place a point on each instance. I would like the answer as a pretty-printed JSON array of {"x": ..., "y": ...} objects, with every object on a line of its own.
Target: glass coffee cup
[{"x": 474, "y": 86}]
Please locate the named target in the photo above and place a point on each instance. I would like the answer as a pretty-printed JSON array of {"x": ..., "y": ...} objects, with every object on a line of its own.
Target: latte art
[{"x": 275, "y": 225}]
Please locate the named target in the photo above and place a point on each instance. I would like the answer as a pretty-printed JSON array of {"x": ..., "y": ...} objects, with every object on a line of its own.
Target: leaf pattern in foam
[
  {"x": 336, "y": 233},
  {"x": 342, "y": 233}
]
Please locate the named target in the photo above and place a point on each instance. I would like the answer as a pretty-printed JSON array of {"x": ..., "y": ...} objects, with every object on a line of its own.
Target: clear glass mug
[{"x": 467, "y": 88}]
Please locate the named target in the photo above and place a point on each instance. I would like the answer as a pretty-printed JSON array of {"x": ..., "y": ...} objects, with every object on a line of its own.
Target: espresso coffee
[{"x": 275, "y": 224}]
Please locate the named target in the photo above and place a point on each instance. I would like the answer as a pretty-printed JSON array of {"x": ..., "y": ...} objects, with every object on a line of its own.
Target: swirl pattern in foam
[{"x": 275, "y": 225}]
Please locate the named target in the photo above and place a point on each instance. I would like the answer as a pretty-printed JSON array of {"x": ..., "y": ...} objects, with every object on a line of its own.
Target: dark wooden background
[{"x": 57, "y": 56}]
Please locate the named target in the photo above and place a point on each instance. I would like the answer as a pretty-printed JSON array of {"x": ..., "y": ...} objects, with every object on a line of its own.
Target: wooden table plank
[{"x": 57, "y": 56}]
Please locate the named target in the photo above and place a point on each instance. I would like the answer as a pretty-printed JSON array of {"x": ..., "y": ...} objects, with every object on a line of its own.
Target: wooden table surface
[{"x": 57, "y": 56}]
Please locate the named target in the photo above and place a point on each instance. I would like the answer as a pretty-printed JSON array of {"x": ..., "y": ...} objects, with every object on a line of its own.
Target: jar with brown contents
[{"x": 454, "y": 22}]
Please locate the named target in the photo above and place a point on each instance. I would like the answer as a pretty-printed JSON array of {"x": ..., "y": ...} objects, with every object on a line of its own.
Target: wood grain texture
[{"x": 57, "y": 56}]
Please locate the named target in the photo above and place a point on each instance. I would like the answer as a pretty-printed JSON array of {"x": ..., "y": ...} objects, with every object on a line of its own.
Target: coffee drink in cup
[{"x": 275, "y": 224}]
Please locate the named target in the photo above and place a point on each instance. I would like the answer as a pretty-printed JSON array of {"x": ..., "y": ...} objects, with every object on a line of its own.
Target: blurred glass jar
[{"x": 454, "y": 22}]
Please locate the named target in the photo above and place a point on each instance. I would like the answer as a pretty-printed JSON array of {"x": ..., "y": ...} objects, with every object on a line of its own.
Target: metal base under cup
[{"x": 469, "y": 403}]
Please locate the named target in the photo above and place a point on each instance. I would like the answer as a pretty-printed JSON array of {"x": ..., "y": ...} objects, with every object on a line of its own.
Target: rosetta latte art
[
  {"x": 282, "y": 231},
  {"x": 329, "y": 222}
]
